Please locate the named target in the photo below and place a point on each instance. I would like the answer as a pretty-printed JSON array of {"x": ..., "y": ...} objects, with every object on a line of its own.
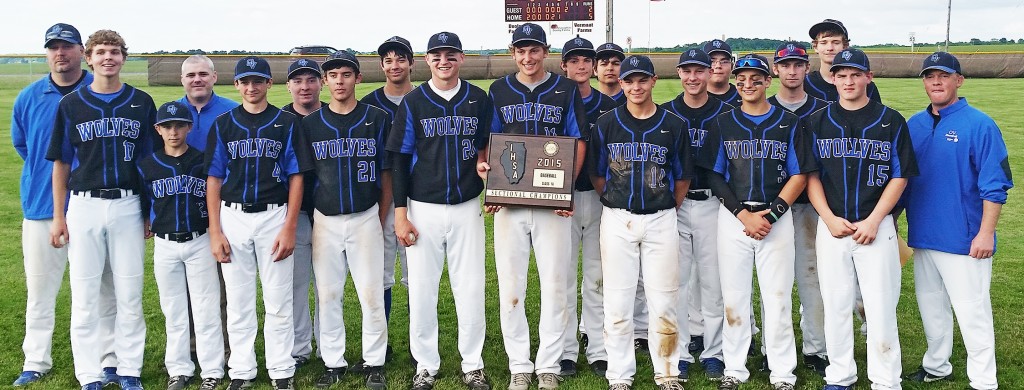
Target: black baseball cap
[
  {"x": 610, "y": 49},
  {"x": 636, "y": 64},
  {"x": 694, "y": 56},
  {"x": 851, "y": 58},
  {"x": 444, "y": 40},
  {"x": 578, "y": 46},
  {"x": 791, "y": 50},
  {"x": 395, "y": 43},
  {"x": 252, "y": 66},
  {"x": 303, "y": 64},
  {"x": 173, "y": 111},
  {"x": 718, "y": 45},
  {"x": 64, "y": 32},
  {"x": 752, "y": 61},
  {"x": 528, "y": 33},
  {"x": 339, "y": 59},
  {"x": 941, "y": 60},
  {"x": 828, "y": 24}
]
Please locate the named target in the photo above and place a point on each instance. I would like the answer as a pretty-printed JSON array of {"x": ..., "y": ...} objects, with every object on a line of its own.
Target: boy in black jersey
[
  {"x": 828, "y": 38},
  {"x": 698, "y": 221},
  {"x": 608, "y": 60},
  {"x": 759, "y": 160},
  {"x": 175, "y": 182},
  {"x": 347, "y": 140},
  {"x": 791, "y": 66},
  {"x": 719, "y": 86}
]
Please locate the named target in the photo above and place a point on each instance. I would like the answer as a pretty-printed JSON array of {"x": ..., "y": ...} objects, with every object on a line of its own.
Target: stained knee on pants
[
  {"x": 732, "y": 318},
  {"x": 669, "y": 336}
]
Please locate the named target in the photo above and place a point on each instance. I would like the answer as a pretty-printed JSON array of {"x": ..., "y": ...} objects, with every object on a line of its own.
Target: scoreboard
[{"x": 521, "y": 11}]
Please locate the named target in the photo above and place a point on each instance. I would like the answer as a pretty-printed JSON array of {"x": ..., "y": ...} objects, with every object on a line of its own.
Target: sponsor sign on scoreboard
[{"x": 520, "y": 11}]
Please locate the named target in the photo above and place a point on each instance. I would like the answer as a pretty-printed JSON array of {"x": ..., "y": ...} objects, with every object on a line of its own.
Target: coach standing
[{"x": 965, "y": 173}]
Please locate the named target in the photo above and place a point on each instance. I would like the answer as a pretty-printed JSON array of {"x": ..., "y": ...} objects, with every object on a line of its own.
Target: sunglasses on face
[{"x": 796, "y": 51}]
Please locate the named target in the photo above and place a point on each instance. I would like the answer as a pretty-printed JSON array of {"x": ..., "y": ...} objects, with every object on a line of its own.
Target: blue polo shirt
[{"x": 202, "y": 120}]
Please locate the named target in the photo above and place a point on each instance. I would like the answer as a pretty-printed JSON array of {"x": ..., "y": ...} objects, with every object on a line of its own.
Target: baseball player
[
  {"x": 396, "y": 60},
  {"x": 99, "y": 132},
  {"x": 442, "y": 127},
  {"x": 198, "y": 77},
  {"x": 304, "y": 84},
  {"x": 578, "y": 58},
  {"x": 719, "y": 86},
  {"x": 966, "y": 176},
  {"x": 642, "y": 169},
  {"x": 830, "y": 37},
  {"x": 346, "y": 138},
  {"x": 759, "y": 161},
  {"x": 254, "y": 196},
  {"x": 790, "y": 65},
  {"x": 534, "y": 101},
  {"x": 697, "y": 218},
  {"x": 865, "y": 157},
  {"x": 609, "y": 60},
  {"x": 31, "y": 126},
  {"x": 174, "y": 181}
]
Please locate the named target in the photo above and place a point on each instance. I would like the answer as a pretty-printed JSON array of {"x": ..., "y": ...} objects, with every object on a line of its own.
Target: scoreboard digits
[{"x": 548, "y": 10}]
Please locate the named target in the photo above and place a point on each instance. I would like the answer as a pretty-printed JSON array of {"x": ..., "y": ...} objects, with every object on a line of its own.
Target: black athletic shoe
[
  {"x": 816, "y": 363},
  {"x": 600, "y": 367},
  {"x": 924, "y": 377},
  {"x": 330, "y": 377},
  {"x": 567, "y": 367},
  {"x": 696, "y": 345},
  {"x": 640, "y": 345},
  {"x": 283, "y": 384},
  {"x": 375, "y": 378}
]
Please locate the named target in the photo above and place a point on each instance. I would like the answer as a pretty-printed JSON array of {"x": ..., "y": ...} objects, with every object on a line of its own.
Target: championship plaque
[{"x": 531, "y": 171}]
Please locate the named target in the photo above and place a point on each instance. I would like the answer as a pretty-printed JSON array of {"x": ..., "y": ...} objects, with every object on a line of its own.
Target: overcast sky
[{"x": 266, "y": 25}]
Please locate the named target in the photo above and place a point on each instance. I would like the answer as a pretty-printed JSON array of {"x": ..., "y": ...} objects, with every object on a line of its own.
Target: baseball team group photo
[{"x": 597, "y": 217}]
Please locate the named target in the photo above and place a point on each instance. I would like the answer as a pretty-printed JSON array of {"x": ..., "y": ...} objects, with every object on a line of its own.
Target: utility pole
[
  {"x": 949, "y": 15},
  {"x": 609, "y": 31}
]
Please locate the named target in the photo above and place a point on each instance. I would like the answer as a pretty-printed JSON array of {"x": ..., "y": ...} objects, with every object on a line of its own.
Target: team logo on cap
[
  {"x": 716, "y": 43},
  {"x": 693, "y": 53},
  {"x": 935, "y": 58},
  {"x": 172, "y": 109},
  {"x": 790, "y": 47},
  {"x": 527, "y": 29},
  {"x": 608, "y": 46},
  {"x": 578, "y": 42},
  {"x": 55, "y": 30},
  {"x": 847, "y": 55},
  {"x": 251, "y": 63},
  {"x": 443, "y": 38},
  {"x": 303, "y": 62},
  {"x": 634, "y": 61}
]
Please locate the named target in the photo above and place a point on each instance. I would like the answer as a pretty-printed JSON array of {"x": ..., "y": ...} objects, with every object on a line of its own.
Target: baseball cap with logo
[
  {"x": 394, "y": 43},
  {"x": 636, "y": 64},
  {"x": 610, "y": 49},
  {"x": 252, "y": 66},
  {"x": 694, "y": 56},
  {"x": 63, "y": 32},
  {"x": 578, "y": 46},
  {"x": 828, "y": 24},
  {"x": 444, "y": 40},
  {"x": 173, "y": 111},
  {"x": 717, "y": 45},
  {"x": 941, "y": 60},
  {"x": 791, "y": 50},
  {"x": 339, "y": 59},
  {"x": 752, "y": 61},
  {"x": 850, "y": 58},
  {"x": 528, "y": 33},
  {"x": 303, "y": 64}
]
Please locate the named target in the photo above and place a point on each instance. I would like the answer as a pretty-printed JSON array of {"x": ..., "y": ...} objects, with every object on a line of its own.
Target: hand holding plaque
[{"x": 530, "y": 171}]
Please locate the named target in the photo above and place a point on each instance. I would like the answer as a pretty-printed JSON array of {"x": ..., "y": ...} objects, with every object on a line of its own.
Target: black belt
[
  {"x": 181, "y": 236},
  {"x": 753, "y": 206},
  {"x": 105, "y": 193},
  {"x": 642, "y": 212},
  {"x": 253, "y": 207},
  {"x": 699, "y": 194}
]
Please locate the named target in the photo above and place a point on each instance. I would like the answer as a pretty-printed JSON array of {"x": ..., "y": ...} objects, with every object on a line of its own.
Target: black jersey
[
  {"x": 815, "y": 85},
  {"x": 757, "y": 159},
  {"x": 640, "y": 159},
  {"x": 101, "y": 139},
  {"x": 553, "y": 108},
  {"x": 255, "y": 154},
  {"x": 858, "y": 153},
  {"x": 348, "y": 155},
  {"x": 441, "y": 139},
  {"x": 595, "y": 105},
  {"x": 730, "y": 97},
  {"x": 619, "y": 98},
  {"x": 378, "y": 99},
  {"x": 809, "y": 107},
  {"x": 308, "y": 178},
  {"x": 696, "y": 120},
  {"x": 176, "y": 188}
]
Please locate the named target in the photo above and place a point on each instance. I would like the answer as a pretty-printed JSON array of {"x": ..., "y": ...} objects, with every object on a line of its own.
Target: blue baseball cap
[
  {"x": 578, "y": 46},
  {"x": 941, "y": 60},
  {"x": 610, "y": 49},
  {"x": 62, "y": 32},
  {"x": 303, "y": 64},
  {"x": 528, "y": 33},
  {"x": 252, "y": 66},
  {"x": 718, "y": 45},
  {"x": 339, "y": 59},
  {"x": 851, "y": 58},
  {"x": 395, "y": 43},
  {"x": 752, "y": 61},
  {"x": 444, "y": 40},
  {"x": 791, "y": 50},
  {"x": 694, "y": 56},
  {"x": 828, "y": 24},
  {"x": 636, "y": 64},
  {"x": 173, "y": 111}
]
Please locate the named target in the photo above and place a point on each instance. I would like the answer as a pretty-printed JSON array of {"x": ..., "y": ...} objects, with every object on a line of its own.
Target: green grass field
[{"x": 906, "y": 95}]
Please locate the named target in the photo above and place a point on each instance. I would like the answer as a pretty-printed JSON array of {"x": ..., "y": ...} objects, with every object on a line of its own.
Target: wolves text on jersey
[
  {"x": 855, "y": 147},
  {"x": 254, "y": 147},
  {"x": 181, "y": 184},
  {"x": 109, "y": 127},
  {"x": 528, "y": 112},
  {"x": 345, "y": 147},
  {"x": 756, "y": 149},
  {"x": 637, "y": 151},
  {"x": 449, "y": 125}
]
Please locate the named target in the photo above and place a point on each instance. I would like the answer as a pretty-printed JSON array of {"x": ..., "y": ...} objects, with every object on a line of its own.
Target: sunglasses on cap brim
[
  {"x": 796, "y": 51},
  {"x": 750, "y": 62}
]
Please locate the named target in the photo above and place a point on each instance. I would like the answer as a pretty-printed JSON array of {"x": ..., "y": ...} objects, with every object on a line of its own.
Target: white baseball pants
[
  {"x": 812, "y": 314},
  {"x": 305, "y": 324},
  {"x": 698, "y": 252},
  {"x": 586, "y": 233},
  {"x": 391, "y": 250},
  {"x": 44, "y": 274}
]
